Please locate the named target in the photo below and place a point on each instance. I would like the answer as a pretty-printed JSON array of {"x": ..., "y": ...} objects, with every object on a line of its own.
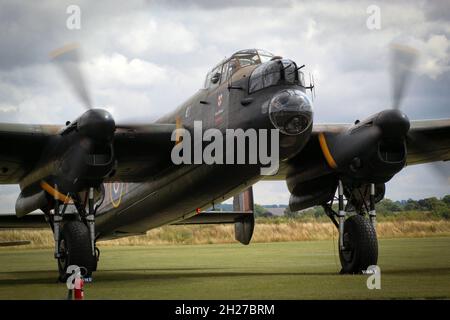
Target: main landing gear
[
  {"x": 74, "y": 234},
  {"x": 75, "y": 249},
  {"x": 358, "y": 244}
]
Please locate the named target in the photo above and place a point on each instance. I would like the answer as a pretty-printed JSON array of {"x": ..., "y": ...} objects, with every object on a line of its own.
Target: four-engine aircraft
[{"x": 94, "y": 179}]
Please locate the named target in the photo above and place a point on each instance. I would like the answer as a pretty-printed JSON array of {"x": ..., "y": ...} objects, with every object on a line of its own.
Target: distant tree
[
  {"x": 291, "y": 214},
  {"x": 442, "y": 212},
  {"x": 260, "y": 211},
  {"x": 430, "y": 204},
  {"x": 318, "y": 211},
  {"x": 446, "y": 200},
  {"x": 388, "y": 206},
  {"x": 411, "y": 205},
  {"x": 287, "y": 212}
]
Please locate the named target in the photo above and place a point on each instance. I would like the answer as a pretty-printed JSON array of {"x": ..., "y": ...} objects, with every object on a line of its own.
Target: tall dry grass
[{"x": 264, "y": 232}]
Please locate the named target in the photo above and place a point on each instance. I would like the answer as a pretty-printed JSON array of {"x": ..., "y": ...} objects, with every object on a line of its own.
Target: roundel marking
[{"x": 115, "y": 193}]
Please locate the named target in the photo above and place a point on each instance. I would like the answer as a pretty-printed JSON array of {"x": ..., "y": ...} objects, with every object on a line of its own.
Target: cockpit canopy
[
  {"x": 271, "y": 70},
  {"x": 275, "y": 72},
  {"x": 243, "y": 58}
]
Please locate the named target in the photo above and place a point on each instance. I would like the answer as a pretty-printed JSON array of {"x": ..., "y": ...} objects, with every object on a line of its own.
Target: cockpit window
[
  {"x": 237, "y": 61},
  {"x": 228, "y": 69},
  {"x": 273, "y": 73},
  {"x": 215, "y": 73},
  {"x": 266, "y": 75},
  {"x": 264, "y": 56},
  {"x": 247, "y": 59}
]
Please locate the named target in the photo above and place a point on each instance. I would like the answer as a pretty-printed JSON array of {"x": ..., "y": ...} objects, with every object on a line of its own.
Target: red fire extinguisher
[{"x": 78, "y": 289}]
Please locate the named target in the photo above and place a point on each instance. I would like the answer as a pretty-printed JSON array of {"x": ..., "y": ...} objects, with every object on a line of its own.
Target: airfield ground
[{"x": 410, "y": 268}]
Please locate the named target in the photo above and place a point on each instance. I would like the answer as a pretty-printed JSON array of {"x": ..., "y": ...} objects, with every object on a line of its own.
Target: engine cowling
[
  {"x": 310, "y": 193},
  {"x": 81, "y": 156},
  {"x": 371, "y": 151},
  {"x": 29, "y": 201}
]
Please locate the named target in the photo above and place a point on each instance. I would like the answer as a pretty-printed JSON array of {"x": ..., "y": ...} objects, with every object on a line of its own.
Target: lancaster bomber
[{"x": 94, "y": 179}]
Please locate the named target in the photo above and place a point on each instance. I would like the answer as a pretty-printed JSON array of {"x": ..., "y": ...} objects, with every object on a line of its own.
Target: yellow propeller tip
[
  {"x": 404, "y": 48},
  {"x": 64, "y": 49}
]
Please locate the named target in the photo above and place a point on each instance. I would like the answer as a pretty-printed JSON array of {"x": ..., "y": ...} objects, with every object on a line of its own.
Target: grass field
[
  {"x": 410, "y": 268},
  {"x": 266, "y": 230}
]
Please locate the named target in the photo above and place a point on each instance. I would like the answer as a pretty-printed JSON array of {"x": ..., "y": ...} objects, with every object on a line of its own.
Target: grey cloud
[
  {"x": 29, "y": 31},
  {"x": 437, "y": 10},
  {"x": 215, "y": 5}
]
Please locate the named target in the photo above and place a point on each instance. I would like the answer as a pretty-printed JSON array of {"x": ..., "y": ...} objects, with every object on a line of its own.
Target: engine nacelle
[
  {"x": 371, "y": 151},
  {"x": 311, "y": 193},
  {"x": 29, "y": 202}
]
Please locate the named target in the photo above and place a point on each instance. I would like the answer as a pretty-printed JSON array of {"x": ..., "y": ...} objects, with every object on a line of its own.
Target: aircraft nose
[{"x": 291, "y": 112}]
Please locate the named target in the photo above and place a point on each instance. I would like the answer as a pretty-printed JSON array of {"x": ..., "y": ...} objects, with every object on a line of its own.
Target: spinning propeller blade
[
  {"x": 67, "y": 58},
  {"x": 403, "y": 61},
  {"x": 402, "y": 64}
]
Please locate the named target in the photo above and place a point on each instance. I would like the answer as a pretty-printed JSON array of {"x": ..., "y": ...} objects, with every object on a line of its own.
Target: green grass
[{"x": 410, "y": 268}]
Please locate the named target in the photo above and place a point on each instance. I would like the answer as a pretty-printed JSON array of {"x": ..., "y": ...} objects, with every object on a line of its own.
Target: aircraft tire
[
  {"x": 360, "y": 245},
  {"x": 75, "y": 248}
]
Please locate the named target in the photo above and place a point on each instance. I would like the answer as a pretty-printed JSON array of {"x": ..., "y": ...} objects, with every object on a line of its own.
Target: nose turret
[{"x": 290, "y": 111}]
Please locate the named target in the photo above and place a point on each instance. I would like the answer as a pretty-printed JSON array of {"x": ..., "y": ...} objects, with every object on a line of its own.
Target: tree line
[{"x": 438, "y": 207}]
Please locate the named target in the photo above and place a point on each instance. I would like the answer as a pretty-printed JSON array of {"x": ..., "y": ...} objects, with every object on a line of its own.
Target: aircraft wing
[
  {"x": 20, "y": 148},
  {"x": 140, "y": 150},
  {"x": 427, "y": 141}
]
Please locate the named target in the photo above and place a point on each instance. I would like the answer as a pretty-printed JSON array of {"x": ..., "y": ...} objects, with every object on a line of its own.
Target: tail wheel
[
  {"x": 75, "y": 249},
  {"x": 360, "y": 245}
]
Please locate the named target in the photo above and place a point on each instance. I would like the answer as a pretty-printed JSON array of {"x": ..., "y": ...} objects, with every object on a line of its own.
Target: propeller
[
  {"x": 67, "y": 59},
  {"x": 403, "y": 60},
  {"x": 402, "y": 63}
]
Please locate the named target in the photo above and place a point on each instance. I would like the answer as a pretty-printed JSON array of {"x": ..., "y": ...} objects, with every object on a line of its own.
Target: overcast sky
[{"x": 143, "y": 58}]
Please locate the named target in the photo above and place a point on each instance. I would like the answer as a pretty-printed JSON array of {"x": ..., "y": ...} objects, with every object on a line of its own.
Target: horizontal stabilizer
[
  {"x": 242, "y": 216},
  {"x": 215, "y": 217},
  {"x": 11, "y": 221},
  {"x": 14, "y": 243}
]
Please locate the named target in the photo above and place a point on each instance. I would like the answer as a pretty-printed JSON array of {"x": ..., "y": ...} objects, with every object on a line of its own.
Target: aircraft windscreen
[
  {"x": 252, "y": 57},
  {"x": 273, "y": 72},
  {"x": 240, "y": 60},
  {"x": 264, "y": 56},
  {"x": 247, "y": 59}
]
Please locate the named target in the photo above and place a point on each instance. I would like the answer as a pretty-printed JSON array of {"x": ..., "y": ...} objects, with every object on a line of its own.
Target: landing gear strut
[
  {"x": 358, "y": 244},
  {"x": 74, "y": 234}
]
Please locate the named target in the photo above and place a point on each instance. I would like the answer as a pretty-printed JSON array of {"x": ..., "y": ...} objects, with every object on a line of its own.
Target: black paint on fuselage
[{"x": 177, "y": 191}]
